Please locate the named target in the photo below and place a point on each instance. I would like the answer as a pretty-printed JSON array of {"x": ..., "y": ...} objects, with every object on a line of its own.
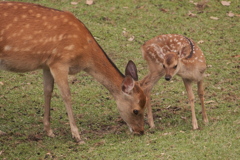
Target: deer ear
[
  {"x": 128, "y": 84},
  {"x": 131, "y": 70}
]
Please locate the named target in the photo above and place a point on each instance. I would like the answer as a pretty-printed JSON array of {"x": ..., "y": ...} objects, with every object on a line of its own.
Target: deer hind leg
[
  {"x": 201, "y": 96},
  {"x": 48, "y": 89},
  {"x": 60, "y": 74},
  {"x": 188, "y": 86}
]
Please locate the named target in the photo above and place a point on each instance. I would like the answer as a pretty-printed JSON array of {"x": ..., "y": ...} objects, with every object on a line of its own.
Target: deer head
[{"x": 131, "y": 104}]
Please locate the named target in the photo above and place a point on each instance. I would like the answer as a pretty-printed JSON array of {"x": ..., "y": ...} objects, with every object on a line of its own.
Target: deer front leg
[
  {"x": 188, "y": 86},
  {"x": 48, "y": 89},
  {"x": 60, "y": 74},
  {"x": 201, "y": 96}
]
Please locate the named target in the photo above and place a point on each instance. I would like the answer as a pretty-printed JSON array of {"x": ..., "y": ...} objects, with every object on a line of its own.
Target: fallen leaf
[
  {"x": 125, "y": 33},
  {"x": 207, "y": 75},
  {"x": 131, "y": 38},
  {"x": 2, "y": 133},
  {"x": 190, "y": 14},
  {"x": 211, "y": 101},
  {"x": 209, "y": 66},
  {"x": 193, "y": 3},
  {"x": 236, "y": 56},
  {"x": 200, "y": 42},
  {"x": 214, "y": 18},
  {"x": 184, "y": 117},
  {"x": 165, "y": 134},
  {"x": 230, "y": 14},
  {"x": 141, "y": 7},
  {"x": 89, "y": 2},
  {"x": 226, "y": 3},
  {"x": 74, "y": 3},
  {"x": 164, "y": 10}
]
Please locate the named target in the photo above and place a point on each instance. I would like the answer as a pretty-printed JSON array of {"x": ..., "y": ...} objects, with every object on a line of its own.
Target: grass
[{"x": 106, "y": 136}]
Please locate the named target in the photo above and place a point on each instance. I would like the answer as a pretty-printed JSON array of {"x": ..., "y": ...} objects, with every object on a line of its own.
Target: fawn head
[
  {"x": 171, "y": 65},
  {"x": 131, "y": 104},
  {"x": 172, "y": 61}
]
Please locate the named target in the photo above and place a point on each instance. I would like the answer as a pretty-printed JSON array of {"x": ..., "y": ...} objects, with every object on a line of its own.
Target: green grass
[{"x": 105, "y": 134}]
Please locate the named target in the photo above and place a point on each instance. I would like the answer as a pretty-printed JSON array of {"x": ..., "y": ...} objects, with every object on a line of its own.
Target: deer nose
[{"x": 168, "y": 77}]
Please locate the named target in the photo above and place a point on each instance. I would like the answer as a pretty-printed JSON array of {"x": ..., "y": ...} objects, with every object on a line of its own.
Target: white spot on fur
[
  {"x": 15, "y": 19},
  {"x": 24, "y": 16},
  {"x": 55, "y": 18},
  {"x": 158, "y": 50},
  {"x": 38, "y": 15},
  {"x": 70, "y": 47},
  {"x": 54, "y": 51},
  {"x": 60, "y": 37},
  {"x": 7, "y": 48}
]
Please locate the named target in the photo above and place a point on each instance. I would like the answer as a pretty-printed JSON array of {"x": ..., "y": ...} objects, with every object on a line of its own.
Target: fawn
[
  {"x": 36, "y": 37},
  {"x": 173, "y": 54}
]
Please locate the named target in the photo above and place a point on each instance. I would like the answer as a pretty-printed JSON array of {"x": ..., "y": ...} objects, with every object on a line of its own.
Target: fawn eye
[
  {"x": 163, "y": 66},
  {"x": 175, "y": 67},
  {"x": 135, "y": 112}
]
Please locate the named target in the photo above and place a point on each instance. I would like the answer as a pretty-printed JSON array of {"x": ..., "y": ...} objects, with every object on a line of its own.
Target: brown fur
[{"x": 35, "y": 37}]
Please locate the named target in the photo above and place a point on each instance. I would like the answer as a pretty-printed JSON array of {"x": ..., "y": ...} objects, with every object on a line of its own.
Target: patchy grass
[{"x": 106, "y": 135}]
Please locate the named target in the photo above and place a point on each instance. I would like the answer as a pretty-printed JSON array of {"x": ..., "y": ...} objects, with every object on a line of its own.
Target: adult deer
[
  {"x": 173, "y": 54},
  {"x": 36, "y": 37}
]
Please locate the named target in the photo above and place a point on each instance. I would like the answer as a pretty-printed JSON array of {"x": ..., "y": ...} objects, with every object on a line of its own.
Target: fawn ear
[
  {"x": 128, "y": 84},
  {"x": 131, "y": 70},
  {"x": 183, "y": 52}
]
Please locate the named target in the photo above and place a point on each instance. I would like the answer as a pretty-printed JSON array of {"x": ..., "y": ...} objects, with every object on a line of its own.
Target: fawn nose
[{"x": 168, "y": 77}]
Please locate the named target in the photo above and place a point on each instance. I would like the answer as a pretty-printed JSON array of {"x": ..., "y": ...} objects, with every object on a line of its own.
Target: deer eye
[
  {"x": 135, "y": 112},
  {"x": 175, "y": 67},
  {"x": 163, "y": 66}
]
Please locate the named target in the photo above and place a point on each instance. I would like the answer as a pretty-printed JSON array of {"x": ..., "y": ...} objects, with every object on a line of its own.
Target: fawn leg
[
  {"x": 147, "y": 83},
  {"x": 48, "y": 82},
  {"x": 149, "y": 111},
  {"x": 201, "y": 96},
  {"x": 188, "y": 86},
  {"x": 60, "y": 74}
]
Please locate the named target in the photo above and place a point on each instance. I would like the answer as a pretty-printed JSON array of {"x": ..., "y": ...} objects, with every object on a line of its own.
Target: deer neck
[{"x": 105, "y": 72}]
